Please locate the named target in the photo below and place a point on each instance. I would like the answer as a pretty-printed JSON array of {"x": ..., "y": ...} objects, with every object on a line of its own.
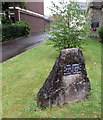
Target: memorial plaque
[{"x": 72, "y": 69}]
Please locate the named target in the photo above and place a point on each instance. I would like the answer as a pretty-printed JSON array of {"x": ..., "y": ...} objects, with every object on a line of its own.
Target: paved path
[{"x": 15, "y": 47}]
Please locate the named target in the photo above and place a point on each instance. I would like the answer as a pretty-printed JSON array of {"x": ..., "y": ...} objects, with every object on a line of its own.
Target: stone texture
[
  {"x": 96, "y": 8},
  {"x": 60, "y": 89}
]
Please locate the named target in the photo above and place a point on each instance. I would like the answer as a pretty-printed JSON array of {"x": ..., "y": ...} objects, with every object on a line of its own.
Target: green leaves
[
  {"x": 100, "y": 31},
  {"x": 13, "y": 31},
  {"x": 70, "y": 23}
]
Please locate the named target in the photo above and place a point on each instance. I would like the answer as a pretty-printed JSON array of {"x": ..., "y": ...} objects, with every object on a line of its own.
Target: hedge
[
  {"x": 101, "y": 33},
  {"x": 13, "y": 31}
]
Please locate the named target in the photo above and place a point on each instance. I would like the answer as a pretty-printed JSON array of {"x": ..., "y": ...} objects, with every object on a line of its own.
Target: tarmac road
[{"x": 15, "y": 47}]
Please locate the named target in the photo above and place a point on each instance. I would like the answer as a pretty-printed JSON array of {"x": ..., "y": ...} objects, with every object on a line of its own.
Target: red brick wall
[
  {"x": 37, "y": 7},
  {"x": 36, "y": 23}
]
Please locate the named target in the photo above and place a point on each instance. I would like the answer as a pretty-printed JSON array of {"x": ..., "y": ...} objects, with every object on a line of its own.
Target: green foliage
[
  {"x": 27, "y": 27},
  {"x": 101, "y": 33},
  {"x": 69, "y": 26},
  {"x": 5, "y": 19},
  {"x": 17, "y": 30}
]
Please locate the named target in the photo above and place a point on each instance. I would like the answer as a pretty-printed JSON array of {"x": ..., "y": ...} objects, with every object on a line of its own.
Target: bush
[
  {"x": 27, "y": 27},
  {"x": 101, "y": 33},
  {"x": 13, "y": 31}
]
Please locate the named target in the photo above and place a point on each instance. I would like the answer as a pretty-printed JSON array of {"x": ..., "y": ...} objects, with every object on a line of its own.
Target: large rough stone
[{"x": 65, "y": 85}]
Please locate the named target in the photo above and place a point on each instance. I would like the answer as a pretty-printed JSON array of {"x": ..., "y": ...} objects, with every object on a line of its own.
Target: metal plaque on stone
[{"x": 72, "y": 69}]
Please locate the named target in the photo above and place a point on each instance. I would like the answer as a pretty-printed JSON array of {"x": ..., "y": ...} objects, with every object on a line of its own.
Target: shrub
[
  {"x": 27, "y": 27},
  {"x": 13, "y": 31},
  {"x": 100, "y": 32}
]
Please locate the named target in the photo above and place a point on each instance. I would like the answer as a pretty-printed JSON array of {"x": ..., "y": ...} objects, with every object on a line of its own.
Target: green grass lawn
[{"x": 25, "y": 74}]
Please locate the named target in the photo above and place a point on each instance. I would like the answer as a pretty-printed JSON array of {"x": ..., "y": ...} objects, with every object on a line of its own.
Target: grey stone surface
[
  {"x": 96, "y": 9},
  {"x": 60, "y": 89}
]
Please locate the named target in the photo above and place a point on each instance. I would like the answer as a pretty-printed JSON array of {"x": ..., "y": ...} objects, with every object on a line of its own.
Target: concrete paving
[{"x": 15, "y": 47}]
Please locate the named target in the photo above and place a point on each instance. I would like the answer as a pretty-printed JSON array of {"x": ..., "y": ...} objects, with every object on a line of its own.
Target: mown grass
[{"x": 25, "y": 74}]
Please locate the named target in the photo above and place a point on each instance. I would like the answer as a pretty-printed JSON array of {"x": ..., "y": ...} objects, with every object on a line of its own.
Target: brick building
[{"x": 33, "y": 14}]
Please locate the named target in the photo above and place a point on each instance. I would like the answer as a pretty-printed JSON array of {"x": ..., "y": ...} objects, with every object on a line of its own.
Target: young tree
[{"x": 70, "y": 25}]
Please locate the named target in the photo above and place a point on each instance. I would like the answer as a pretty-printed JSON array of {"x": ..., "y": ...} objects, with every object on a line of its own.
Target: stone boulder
[{"x": 67, "y": 82}]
